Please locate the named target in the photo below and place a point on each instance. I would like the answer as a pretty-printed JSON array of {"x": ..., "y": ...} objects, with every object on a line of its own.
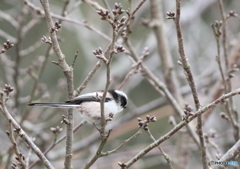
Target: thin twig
[
  {"x": 30, "y": 49},
  {"x": 129, "y": 116},
  {"x": 64, "y": 9},
  {"x": 23, "y": 135},
  {"x": 108, "y": 54},
  {"x": 106, "y": 57},
  {"x": 20, "y": 156},
  {"x": 85, "y": 24},
  {"x": 157, "y": 24},
  {"x": 179, "y": 126},
  {"x": 229, "y": 105},
  {"x": 121, "y": 145},
  {"x": 74, "y": 60},
  {"x": 57, "y": 142},
  {"x": 18, "y": 61},
  {"x": 36, "y": 81},
  {"x": 217, "y": 32},
  {"x": 98, "y": 153},
  {"x": 133, "y": 71},
  {"x": 138, "y": 7},
  {"x": 190, "y": 79},
  {"x": 159, "y": 86},
  {"x": 224, "y": 33},
  {"x": 9, "y": 18},
  {"x": 29, "y": 25},
  {"x": 166, "y": 157},
  {"x": 68, "y": 72},
  {"x": 88, "y": 78},
  {"x": 232, "y": 153}
]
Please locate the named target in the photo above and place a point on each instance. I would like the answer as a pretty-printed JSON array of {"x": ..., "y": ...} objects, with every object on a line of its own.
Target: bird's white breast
[{"x": 91, "y": 111}]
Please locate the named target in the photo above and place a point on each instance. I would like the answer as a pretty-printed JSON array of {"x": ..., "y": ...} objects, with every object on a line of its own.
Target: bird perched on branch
[{"x": 90, "y": 107}]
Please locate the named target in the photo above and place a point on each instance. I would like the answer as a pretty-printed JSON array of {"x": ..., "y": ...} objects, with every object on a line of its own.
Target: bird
[{"x": 89, "y": 104}]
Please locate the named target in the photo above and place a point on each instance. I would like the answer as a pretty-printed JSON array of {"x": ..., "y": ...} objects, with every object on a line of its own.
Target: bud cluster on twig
[
  {"x": 99, "y": 54},
  {"x": 118, "y": 9},
  {"x": 7, "y": 45},
  {"x": 217, "y": 28},
  {"x": 115, "y": 21},
  {"x": 19, "y": 164},
  {"x": 170, "y": 15},
  {"x": 46, "y": 40},
  {"x": 119, "y": 49},
  {"x": 8, "y": 89},
  {"x": 144, "y": 123},
  {"x": 187, "y": 111},
  {"x": 104, "y": 14},
  {"x": 224, "y": 116},
  {"x": 17, "y": 130},
  {"x": 65, "y": 120},
  {"x": 231, "y": 72},
  {"x": 20, "y": 159},
  {"x": 56, "y": 130},
  {"x": 56, "y": 27},
  {"x": 231, "y": 14}
]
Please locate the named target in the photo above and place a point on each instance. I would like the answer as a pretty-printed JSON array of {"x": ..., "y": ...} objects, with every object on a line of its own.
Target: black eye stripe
[
  {"x": 123, "y": 101},
  {"x": 114, "y": 94}
]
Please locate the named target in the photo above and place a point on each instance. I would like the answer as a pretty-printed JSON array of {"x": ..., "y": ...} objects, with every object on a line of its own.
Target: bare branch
[
  {"x": 67, "y": 70},
  {"x": 190, "y": 79},
  {"x": 22, "y": 133},
  {"x": 180, "y": 125}
]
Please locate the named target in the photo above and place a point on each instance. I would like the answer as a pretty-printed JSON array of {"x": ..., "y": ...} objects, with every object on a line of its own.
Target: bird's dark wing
[{"x": 87, "y": 98}]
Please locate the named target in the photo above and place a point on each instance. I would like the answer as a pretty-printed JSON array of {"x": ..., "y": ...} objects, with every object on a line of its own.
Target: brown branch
[
  {"x": 106, "y": 57},
  {"x": 165, "y": 155},
  {"x": 167, "y": 67},
  {"x": 224, "y": 33},
  {"x": 150, "y": 76},
  {"x": 20, "y": 157},
  {"x": 135, "y": 69},
  {"x": 68, "y": 72},
  {"x": 22, "y": 133},
  {"x": 232, "y": 153},
  {"x": 121, "y": 145},
  {"x": 128, "y": 116},
  {"x": 228, "y": 84},
  {"x": 138, "y": 7},
  {"x": 35, "y": 84},
  {"x": 39, "y": 11},
  {"x": 159, "y": 86},
  {"x": 186, "y": 66},
  {"x": 57, "y": 142},
  {"x": 18, "y": 61},
  {"x": 179, "y": 126},
  {"x": 88, "y": 78}
]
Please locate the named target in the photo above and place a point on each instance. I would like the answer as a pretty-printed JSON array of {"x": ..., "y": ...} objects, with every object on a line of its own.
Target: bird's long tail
[{"x": 60, "y": 105}]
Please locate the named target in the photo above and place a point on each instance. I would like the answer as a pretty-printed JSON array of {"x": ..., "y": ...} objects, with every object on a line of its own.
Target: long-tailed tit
[{"x": 89, "y": 104}]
